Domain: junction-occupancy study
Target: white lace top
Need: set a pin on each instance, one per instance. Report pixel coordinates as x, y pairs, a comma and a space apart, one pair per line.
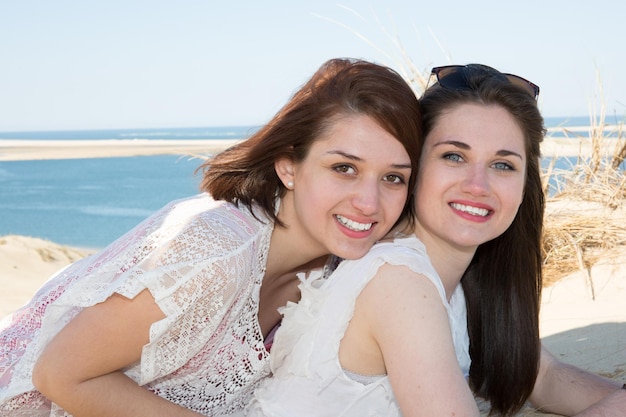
308, 378
203, 261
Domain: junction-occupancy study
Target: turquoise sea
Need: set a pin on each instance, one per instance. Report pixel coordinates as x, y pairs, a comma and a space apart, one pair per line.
91, 202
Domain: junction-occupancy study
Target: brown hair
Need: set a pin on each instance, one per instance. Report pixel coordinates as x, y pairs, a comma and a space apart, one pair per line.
244, 173
503, 282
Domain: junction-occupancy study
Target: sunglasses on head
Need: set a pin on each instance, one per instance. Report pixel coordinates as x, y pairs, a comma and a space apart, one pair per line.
453, 77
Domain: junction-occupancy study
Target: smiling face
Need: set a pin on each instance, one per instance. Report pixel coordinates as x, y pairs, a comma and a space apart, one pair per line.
471, 178
348, 192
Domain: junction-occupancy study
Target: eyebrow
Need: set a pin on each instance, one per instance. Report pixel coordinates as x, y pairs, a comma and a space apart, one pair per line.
463, 145
359, 159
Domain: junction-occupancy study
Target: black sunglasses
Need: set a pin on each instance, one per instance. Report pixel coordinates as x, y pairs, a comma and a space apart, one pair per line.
453, 77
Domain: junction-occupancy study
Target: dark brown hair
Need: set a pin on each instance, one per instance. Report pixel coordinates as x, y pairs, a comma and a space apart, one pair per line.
503, 282
244, 173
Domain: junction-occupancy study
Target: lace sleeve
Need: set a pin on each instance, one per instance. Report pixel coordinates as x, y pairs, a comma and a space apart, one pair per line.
195, 279
193, 256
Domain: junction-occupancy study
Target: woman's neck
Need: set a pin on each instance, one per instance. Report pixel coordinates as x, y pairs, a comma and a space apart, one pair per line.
449, 261
280, 282
287, 254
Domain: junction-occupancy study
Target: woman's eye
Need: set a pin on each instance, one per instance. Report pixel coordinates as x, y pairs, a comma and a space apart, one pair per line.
395, 179
503, 166
455, 157
344, 169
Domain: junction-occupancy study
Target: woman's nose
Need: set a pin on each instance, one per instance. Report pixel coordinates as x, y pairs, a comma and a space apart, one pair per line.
367, 197
476, 181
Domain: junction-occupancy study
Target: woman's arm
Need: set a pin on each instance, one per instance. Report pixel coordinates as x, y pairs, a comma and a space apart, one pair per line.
80, 369
570, 391
410, 324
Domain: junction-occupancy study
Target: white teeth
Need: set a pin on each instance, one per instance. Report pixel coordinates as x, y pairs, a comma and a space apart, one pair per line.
352, 225
471, 210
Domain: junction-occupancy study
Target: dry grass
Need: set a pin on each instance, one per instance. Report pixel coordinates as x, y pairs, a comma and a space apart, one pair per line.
585, 217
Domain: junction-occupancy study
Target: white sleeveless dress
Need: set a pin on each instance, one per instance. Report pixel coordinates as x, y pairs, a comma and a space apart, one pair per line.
307, 377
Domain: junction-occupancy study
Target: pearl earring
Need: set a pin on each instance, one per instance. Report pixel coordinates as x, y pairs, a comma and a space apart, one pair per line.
290, 185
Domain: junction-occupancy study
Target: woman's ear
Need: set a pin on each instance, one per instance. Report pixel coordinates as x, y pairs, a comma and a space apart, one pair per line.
285, 170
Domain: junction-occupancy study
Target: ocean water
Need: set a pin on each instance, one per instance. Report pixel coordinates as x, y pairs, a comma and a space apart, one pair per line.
91, 202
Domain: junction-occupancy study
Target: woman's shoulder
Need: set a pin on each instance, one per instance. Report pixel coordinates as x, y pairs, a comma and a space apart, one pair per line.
215, 219
398, 243
388, 260
405, 257
203, 205
197, 230
402, 250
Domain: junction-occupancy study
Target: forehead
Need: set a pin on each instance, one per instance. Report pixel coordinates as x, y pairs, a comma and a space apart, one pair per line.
476, 122
359, 135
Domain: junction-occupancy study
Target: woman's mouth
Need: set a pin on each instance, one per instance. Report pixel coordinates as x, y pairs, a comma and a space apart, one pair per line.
352, 225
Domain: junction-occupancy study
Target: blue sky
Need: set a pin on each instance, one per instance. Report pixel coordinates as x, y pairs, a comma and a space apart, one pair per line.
87, 64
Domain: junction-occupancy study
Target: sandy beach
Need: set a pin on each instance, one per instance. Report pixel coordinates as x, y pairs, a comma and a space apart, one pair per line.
20, 150
583, 321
